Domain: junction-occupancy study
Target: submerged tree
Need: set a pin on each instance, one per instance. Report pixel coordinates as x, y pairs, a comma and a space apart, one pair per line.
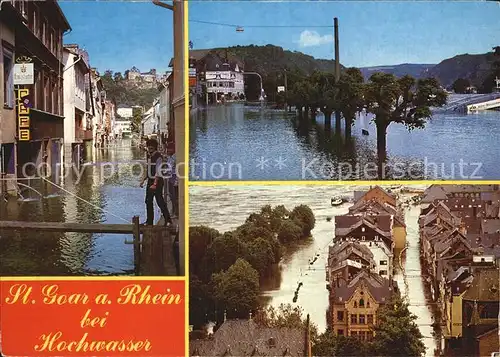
351, 100
404, 100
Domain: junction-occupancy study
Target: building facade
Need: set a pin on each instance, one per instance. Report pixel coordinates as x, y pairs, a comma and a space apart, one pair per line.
78, 116
32, 33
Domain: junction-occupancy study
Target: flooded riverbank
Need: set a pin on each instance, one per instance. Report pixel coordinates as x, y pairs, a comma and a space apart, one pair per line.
102, 195
224, 208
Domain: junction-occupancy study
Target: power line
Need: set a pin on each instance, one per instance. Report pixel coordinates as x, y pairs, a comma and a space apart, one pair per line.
259, 26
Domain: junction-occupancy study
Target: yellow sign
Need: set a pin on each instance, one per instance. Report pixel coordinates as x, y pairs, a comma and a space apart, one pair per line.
23, 114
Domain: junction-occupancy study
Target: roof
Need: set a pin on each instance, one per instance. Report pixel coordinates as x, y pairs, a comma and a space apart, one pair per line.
246, 338
346, 224
433, 193
340, 252
62, 17
380, 289
484, 287
375, 207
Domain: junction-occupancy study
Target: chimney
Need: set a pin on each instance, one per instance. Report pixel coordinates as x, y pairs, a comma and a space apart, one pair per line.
225, 315
250, 318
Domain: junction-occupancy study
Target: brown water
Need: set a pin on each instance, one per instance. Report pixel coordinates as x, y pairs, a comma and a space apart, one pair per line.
98, 197
224, 208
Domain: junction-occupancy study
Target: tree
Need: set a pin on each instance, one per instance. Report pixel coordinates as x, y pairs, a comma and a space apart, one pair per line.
261, 255
200, 302
395, 322
118, 77
460, 85
403, 101
137, 120
351, 100
200, 238
496, 50
304, 218
324, 93
328, 344
237, 289
224, 252
289, 232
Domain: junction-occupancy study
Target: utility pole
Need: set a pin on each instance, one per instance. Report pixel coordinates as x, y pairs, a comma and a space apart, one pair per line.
286, 91
337, 67
178, 103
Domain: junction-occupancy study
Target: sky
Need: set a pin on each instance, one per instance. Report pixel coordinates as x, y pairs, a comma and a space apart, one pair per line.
371, 33
120, 35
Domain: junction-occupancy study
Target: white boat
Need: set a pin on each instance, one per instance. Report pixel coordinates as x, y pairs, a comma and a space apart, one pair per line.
337, 201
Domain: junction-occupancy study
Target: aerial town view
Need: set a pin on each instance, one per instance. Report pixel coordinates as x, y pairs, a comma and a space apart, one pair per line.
78, 123
328, 90
345, 270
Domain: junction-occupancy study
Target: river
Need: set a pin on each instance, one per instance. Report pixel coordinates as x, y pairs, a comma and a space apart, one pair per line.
105, 195
226, 207
234, 142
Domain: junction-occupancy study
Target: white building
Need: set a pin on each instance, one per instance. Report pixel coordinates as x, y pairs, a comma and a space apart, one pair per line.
125, 112
78, 126
150, 120
123, 128
164, 106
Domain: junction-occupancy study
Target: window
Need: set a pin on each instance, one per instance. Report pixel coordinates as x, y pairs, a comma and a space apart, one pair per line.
361, 303
383, 272
383, 262
354, 333
376, 238
367, 304
369, 335
8, 77
369, 319
340, 332
363, 238
362, 229
355, 304
362, 335
362, 319
354, 319
340, 316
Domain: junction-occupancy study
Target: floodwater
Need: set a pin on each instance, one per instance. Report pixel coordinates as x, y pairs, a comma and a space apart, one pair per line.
108, 192
233, 142
234, 204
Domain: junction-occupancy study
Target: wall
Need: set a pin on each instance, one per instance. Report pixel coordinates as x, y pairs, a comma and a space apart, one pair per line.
489, 344
125, 112
380, 252
164, 109
456, 315
69, 105
8, 124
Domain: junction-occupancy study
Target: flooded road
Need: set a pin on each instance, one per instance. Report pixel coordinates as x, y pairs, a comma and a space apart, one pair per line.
224, 208
108, 192
236, 142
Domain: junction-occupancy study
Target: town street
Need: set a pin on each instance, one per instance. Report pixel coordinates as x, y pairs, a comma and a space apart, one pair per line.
108, 192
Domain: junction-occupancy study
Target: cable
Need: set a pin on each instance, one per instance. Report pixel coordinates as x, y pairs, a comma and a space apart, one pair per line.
84, 200
259, 26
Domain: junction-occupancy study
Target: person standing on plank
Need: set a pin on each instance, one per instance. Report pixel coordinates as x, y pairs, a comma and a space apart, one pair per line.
155, 184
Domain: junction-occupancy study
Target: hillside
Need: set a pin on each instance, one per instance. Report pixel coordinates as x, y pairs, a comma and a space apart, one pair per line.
476, 68
128, 93
269, 59
399, 70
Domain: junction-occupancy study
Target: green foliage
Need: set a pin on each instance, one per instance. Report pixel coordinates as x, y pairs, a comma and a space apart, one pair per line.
303, 216
285, 315
401, 100
200, 238
351, 96
461, 85
327, 344
289, 232
397, 323
237, 289
255, 242
120, 92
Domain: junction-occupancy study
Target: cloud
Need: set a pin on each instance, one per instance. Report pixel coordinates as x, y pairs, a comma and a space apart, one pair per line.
312, 38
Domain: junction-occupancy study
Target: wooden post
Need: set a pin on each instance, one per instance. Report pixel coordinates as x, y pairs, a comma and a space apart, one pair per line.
137, 243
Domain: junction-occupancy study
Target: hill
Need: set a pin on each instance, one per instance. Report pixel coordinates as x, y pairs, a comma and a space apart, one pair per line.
399, 70
476, 68
128, 93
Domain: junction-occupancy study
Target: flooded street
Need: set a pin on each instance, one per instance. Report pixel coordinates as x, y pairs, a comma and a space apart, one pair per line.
224, 208
108, 192
219, 133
